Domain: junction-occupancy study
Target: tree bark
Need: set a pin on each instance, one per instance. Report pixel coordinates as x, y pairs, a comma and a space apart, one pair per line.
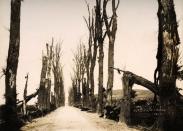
12, 62
167, 57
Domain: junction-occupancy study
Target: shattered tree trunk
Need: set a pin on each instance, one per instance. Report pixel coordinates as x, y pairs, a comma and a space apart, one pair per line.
128, 80
12, 63
48, 80
42, 90
167, 57
25, 95
125, 113
45, 82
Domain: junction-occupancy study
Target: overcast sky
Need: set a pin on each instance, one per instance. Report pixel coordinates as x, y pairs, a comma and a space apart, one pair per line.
135, 47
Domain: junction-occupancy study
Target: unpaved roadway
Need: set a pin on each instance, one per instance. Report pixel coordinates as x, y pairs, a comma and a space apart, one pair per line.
72, 119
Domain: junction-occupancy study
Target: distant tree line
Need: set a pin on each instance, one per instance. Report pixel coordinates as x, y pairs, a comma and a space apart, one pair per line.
99, 25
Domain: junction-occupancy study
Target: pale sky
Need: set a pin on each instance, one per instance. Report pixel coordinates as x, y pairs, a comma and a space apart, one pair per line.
135, 47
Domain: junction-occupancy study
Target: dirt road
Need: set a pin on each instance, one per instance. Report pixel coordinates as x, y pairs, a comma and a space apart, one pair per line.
72, 119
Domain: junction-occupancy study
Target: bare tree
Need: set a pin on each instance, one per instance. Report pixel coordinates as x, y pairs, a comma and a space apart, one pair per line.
100, 36
12, 63
92, 50
95, 42
111, 27
79, 70
58, 76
